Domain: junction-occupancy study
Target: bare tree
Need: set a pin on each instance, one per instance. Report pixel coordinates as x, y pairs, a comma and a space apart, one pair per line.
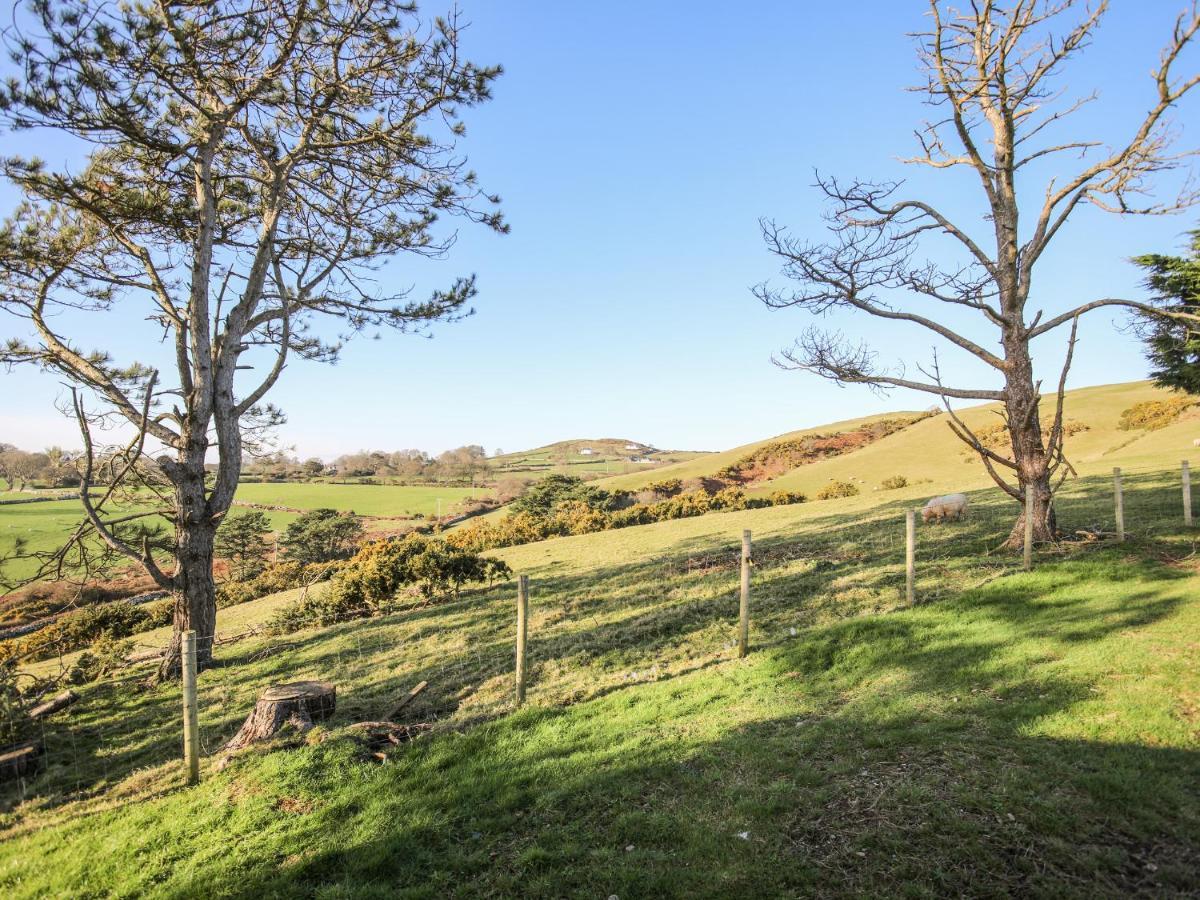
991, 72
249, 164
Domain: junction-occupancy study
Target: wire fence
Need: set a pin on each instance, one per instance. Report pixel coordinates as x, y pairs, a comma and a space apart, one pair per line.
650, 611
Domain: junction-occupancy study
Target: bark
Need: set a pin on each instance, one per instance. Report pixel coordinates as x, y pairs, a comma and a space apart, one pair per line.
193, 586
50, 707
297, 705
1028, 445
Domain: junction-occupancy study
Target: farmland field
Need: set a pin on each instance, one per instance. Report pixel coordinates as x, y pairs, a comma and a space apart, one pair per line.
45, 525
363, 499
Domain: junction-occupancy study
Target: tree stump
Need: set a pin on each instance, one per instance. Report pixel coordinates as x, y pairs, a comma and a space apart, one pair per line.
297, 705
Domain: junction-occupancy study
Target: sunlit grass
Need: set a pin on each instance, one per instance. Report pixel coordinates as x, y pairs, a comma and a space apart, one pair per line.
1040, 728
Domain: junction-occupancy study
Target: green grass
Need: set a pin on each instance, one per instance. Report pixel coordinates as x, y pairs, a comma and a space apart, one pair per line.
44, 526
1013, 734
363, 499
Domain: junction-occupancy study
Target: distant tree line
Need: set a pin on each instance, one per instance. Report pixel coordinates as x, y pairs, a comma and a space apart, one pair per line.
52, 467
460, 464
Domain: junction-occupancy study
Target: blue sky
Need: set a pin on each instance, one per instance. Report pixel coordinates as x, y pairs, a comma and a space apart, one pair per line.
635, 146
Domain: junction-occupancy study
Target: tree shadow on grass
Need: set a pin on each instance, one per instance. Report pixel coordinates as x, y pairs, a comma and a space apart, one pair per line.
902, 755
617, 624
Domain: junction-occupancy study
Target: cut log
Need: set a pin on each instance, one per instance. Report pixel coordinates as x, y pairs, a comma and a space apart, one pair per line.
408, 699
140, 656
20, 760
53, 705
297, 705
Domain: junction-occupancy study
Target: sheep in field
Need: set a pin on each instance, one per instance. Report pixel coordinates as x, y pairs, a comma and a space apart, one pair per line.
949, 506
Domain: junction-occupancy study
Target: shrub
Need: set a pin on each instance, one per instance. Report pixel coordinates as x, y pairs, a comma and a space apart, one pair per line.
785, 498
666, 488
371, 580
242, 539
320, 536
159, 613
728, 498
105, 656
836, 489
1152, 415
78, 629
509, 489
543, 497
776, 457
895, 482
577, 517
281, 576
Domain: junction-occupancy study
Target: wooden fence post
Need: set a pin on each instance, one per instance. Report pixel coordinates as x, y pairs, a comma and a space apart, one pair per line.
1030, 489
191, 728
910, 555
1187, 494
1119, 498
522, 631
744, 609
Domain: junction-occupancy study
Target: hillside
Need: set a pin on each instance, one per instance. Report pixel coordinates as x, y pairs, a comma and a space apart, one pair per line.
587, 456
929, 455
1037, 727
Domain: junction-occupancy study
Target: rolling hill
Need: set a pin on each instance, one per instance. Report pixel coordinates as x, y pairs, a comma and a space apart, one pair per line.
588, 456
930, 457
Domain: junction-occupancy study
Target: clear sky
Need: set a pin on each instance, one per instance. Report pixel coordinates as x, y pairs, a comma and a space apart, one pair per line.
636, 145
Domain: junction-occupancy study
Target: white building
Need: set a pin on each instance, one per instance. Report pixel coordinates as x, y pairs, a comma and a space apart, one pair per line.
587, 451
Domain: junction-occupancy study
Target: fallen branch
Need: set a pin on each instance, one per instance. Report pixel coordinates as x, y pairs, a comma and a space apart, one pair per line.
50, 707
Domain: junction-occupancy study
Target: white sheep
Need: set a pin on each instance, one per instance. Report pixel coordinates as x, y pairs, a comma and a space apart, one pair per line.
949, 506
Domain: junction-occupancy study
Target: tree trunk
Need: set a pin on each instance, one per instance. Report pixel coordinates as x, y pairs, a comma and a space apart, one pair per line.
1029, 450
1045, 521
194, 588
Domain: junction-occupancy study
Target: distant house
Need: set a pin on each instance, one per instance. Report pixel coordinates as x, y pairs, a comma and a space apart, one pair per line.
587, 451
640, 459
633, 446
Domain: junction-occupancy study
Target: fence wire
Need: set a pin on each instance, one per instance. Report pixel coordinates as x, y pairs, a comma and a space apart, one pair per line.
591, 630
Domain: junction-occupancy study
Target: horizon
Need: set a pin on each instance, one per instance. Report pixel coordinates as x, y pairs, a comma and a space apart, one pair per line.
634, 190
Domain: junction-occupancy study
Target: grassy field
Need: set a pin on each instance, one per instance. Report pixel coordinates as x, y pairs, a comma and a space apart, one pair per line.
44, 526
363, 499
1013, 733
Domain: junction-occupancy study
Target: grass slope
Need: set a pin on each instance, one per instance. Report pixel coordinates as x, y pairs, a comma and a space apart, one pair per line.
711, 462
928, 453
1014, 734
609, 455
